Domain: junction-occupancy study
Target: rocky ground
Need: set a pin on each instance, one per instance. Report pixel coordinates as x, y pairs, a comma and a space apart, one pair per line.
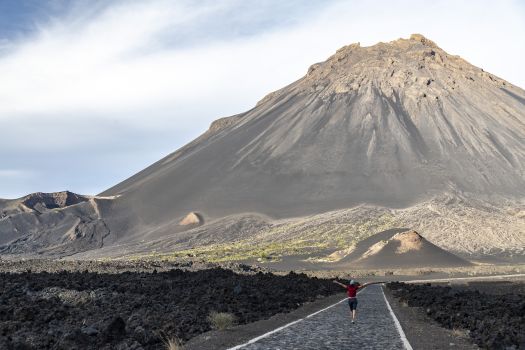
137, 309
118, 266
492, 314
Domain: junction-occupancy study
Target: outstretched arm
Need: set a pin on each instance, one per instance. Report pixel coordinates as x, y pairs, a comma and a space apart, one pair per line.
339, 283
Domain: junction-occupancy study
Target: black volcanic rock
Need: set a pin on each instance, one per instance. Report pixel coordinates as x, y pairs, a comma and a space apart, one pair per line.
81, 310
493, 321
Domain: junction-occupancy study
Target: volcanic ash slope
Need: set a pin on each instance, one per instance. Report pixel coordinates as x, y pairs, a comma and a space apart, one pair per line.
392, 124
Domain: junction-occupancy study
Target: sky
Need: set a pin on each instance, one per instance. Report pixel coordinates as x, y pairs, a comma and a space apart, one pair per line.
93, 91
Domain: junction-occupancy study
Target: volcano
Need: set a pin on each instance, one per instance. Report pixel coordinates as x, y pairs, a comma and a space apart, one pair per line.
392, 125
387, 124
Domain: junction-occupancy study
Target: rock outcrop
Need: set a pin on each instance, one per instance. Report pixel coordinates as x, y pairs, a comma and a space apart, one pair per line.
409, 240
41, 201
192, 218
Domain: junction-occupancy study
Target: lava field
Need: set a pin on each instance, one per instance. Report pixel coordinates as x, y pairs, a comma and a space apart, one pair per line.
138, 310
494, 317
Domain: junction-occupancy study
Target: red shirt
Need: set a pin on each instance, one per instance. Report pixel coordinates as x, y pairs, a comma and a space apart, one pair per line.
351, 290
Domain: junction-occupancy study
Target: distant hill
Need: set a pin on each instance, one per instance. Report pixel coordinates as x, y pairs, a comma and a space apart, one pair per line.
400, 250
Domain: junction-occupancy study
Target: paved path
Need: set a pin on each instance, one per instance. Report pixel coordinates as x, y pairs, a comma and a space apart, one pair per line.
331, 329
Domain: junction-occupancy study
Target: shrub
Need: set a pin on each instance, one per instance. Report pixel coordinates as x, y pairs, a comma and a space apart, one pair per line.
222, 320
459, 332
173, 343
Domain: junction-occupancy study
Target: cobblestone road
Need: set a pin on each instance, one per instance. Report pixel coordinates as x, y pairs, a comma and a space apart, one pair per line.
331, 329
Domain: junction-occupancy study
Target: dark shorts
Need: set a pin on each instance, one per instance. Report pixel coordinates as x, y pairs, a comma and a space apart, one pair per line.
352, 302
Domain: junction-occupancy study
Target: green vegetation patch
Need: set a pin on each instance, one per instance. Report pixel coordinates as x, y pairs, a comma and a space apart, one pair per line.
287, 239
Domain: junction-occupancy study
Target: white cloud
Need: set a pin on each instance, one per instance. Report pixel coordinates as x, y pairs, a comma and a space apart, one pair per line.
83, 80
11, 172
4, 44
116, 63
93, 65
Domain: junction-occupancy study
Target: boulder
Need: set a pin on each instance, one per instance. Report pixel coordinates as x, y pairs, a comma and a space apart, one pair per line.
192, 218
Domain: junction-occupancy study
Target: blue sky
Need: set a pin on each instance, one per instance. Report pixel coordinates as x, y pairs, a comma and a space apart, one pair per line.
94, 91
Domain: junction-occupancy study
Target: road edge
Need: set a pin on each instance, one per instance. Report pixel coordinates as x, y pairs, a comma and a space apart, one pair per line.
231, 338
399, 328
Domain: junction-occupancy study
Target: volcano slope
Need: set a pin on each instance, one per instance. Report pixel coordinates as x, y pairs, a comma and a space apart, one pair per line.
391, 129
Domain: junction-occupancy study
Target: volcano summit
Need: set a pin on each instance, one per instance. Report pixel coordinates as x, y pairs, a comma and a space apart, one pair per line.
402, 130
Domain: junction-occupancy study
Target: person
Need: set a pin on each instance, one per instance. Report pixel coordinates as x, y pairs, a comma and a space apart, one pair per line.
351, 290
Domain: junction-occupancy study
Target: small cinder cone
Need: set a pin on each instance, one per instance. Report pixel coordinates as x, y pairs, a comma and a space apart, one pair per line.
192, 218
